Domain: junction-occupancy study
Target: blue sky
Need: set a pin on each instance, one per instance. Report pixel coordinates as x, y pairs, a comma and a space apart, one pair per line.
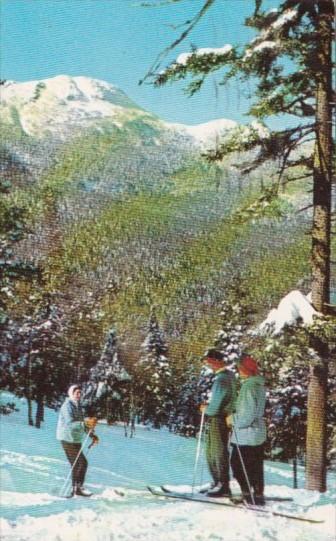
117, 41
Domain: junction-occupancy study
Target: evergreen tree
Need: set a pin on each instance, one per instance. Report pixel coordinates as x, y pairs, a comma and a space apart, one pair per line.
156, 376
185, 416
107, 391
231, 337
285, 359
37, 363
204, 385
235, 319
13, 228
13, 270
229, 341
287, 413
83, 330
290, 59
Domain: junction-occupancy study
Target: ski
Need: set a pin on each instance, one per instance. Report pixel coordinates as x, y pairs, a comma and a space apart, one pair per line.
94, 496
227, 503
238, 499
74, 496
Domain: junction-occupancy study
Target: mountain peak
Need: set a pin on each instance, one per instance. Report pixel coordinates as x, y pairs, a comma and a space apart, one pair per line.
50, 105
65, 87
59, 105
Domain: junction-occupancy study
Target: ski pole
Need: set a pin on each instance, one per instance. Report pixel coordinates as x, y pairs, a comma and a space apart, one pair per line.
198, 450
243, 465
75, 462
206, 428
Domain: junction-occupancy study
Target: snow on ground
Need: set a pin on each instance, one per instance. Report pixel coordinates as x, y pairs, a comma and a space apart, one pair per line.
34, 469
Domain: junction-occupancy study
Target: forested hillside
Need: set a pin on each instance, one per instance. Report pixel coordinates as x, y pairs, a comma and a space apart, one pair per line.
123, 217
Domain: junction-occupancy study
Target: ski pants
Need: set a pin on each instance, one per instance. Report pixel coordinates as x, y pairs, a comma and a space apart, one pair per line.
253, 458
217, 452
78, 473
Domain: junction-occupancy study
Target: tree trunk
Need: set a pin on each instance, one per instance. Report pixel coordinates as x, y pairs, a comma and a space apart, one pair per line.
316, 466
30, 412
29, 394
39, 413
317, 390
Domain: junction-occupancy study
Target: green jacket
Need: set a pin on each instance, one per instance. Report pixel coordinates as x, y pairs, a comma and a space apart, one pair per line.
223, 394
248, 420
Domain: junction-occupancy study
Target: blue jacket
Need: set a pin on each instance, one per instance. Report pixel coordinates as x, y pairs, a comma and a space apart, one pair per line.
70, 426
223, 394
248, 421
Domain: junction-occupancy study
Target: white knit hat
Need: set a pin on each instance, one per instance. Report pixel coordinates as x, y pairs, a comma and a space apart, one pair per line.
72, 389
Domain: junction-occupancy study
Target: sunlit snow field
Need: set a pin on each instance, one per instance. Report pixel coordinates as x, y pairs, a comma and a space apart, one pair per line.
33, 470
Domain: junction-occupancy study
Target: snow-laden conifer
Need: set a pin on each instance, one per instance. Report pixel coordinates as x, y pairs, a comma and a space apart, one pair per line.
185, 415
106, 392
155, 376
38, 368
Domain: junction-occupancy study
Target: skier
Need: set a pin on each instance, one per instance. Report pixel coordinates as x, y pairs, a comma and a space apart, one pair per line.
71, 428
221, 404
249, 432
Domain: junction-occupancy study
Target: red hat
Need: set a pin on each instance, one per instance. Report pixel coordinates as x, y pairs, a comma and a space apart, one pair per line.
248, 366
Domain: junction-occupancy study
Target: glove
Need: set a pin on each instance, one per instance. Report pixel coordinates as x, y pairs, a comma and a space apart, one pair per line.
90, 422
229, 421
203, 407
95, 439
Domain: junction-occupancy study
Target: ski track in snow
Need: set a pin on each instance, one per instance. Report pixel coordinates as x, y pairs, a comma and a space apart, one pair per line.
34, 469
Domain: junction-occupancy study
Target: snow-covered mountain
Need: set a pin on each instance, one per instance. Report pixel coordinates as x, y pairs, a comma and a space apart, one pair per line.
126, 147
209, 133
60, 104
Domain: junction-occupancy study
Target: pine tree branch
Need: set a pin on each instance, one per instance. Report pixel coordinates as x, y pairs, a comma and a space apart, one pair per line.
152, 72
294, 179
304, 208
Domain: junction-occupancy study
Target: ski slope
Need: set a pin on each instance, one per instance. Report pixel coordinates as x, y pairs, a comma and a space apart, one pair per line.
33, 470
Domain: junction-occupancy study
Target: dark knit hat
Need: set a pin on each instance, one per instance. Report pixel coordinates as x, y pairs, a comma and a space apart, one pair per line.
248, 366
213, 353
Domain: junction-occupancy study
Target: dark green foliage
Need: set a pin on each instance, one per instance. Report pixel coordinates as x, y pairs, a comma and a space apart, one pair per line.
12, 230
107, 392
33, 358
234, 319
155, 388
185, 416
285, 360
38, 90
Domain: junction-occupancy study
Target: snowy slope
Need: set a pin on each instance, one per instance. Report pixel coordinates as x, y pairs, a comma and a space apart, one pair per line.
208, 133
57, 105
34, 469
